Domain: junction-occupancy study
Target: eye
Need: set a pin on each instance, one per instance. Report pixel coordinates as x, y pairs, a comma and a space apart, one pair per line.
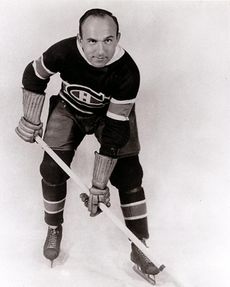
108, 41
92, 41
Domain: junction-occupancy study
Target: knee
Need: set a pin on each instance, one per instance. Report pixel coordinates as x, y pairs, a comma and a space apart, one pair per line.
51, 171
127, 174
131, 195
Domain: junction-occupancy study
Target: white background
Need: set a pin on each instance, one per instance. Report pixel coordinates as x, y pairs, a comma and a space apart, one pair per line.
182, 50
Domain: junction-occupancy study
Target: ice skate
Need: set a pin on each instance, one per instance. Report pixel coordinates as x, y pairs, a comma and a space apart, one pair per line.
51, 247
143, 266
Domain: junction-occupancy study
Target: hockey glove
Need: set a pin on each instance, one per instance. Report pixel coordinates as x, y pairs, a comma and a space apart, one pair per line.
30, 124
99, 192
28, 131
97, 196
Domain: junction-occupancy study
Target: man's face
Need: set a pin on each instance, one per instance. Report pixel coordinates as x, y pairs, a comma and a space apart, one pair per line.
99, 40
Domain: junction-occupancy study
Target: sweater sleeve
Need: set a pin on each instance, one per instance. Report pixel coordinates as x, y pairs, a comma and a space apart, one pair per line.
37, 73
117, 129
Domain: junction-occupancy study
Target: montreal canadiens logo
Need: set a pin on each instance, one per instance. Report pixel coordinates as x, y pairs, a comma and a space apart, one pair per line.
85, 96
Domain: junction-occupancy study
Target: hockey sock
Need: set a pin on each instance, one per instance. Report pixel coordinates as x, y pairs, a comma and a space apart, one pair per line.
54, 196
133, 206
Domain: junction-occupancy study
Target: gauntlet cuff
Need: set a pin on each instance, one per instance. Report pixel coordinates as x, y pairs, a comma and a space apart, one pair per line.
32, 106
103, 168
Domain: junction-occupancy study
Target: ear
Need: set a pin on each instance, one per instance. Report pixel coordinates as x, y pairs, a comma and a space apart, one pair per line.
118, 37
79, 38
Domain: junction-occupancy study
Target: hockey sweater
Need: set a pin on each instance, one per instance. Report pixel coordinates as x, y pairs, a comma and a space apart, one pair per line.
110, 90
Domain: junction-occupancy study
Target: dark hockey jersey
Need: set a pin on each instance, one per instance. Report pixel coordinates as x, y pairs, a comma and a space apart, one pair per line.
110, 90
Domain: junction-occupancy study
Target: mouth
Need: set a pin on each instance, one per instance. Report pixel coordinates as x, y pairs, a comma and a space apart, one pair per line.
100, 59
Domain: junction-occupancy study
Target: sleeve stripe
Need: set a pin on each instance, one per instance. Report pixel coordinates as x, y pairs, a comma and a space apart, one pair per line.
40, 70
43, 65
120, 111
116, 117
114, 101
35, 71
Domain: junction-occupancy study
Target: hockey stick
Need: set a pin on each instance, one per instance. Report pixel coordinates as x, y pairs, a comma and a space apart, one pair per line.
105, 209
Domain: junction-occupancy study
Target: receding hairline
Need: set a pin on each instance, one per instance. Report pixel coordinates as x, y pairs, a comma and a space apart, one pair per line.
97, 13
91, 17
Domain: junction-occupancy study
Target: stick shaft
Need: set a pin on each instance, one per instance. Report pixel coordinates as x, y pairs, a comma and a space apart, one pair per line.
84, 188
105, 209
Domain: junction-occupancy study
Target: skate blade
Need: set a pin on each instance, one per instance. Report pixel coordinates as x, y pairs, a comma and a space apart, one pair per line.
148, 277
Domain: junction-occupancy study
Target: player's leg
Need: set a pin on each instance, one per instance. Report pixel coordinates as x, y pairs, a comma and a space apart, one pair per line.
127, 178
63, 137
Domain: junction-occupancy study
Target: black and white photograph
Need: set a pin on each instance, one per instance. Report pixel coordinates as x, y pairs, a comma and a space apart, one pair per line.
114, 148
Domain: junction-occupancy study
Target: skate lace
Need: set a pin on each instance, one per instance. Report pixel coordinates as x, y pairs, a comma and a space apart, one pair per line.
52, 238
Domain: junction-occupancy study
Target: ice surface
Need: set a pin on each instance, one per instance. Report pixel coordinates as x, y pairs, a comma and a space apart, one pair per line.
182, 49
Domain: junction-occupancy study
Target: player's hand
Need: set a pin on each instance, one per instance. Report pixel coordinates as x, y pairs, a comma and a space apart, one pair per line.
96, 196
28, 131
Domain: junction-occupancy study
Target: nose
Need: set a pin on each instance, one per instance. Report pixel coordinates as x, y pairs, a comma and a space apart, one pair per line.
100, 49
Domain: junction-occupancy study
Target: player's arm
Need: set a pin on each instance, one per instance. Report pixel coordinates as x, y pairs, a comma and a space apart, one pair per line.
114, 136
35, 79
116, 131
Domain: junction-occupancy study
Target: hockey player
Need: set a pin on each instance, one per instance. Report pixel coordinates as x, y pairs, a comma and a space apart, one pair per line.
100, 82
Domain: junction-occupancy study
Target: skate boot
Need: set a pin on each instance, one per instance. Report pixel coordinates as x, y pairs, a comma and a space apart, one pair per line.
51, 247
143, 266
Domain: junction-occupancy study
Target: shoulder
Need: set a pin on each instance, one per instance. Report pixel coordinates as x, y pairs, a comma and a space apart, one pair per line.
126, 78
60, 53
130, 64
127, 66
126, 69
63, 45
